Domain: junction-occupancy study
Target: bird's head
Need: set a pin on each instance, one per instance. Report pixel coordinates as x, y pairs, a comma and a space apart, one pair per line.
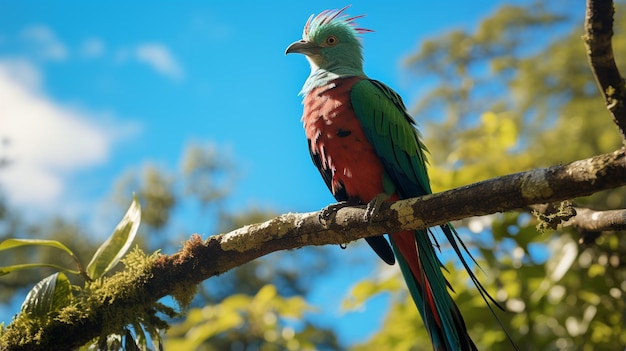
331, 42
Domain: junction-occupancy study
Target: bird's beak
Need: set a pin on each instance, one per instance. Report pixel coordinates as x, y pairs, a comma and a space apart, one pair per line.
303, 47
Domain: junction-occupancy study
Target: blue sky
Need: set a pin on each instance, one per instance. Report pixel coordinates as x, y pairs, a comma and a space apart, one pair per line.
90, 90
112, 85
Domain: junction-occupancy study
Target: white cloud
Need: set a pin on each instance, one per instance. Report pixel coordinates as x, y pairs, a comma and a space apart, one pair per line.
92, 47
44, 42
158, 56
21, 71
46, 141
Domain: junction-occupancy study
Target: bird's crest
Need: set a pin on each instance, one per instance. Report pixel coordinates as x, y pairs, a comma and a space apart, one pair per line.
332, 17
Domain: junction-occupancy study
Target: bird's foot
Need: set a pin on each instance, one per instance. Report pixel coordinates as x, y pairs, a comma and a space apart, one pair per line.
373, 207
329, 212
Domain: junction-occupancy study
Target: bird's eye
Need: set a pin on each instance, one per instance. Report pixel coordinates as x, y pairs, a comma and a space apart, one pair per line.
331, 40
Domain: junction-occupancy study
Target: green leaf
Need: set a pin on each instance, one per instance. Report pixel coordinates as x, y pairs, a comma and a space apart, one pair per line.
13, 243
116, 246
50, 294
366, 289
8, 269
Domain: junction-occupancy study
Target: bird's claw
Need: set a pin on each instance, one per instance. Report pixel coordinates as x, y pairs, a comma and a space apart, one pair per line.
373, 207
328, 212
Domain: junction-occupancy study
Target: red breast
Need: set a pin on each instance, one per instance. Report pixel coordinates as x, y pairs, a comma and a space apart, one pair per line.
335, 134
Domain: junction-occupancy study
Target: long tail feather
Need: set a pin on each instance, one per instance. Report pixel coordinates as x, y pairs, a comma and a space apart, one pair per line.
455, 240
422, 271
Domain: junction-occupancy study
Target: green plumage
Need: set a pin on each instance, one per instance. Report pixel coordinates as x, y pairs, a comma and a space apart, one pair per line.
392, 161
390, 129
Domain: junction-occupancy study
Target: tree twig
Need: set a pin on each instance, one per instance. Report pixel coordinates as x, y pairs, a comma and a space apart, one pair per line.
598, 221
598, 36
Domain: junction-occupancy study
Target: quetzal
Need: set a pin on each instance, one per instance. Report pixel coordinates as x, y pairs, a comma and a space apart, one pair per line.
364, 143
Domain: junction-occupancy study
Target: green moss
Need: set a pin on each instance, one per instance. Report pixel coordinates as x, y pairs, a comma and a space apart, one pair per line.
138, 308
126, 285
553, 218
183, 295
22, 330
70, 314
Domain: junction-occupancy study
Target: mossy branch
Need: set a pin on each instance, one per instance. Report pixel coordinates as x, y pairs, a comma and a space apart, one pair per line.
178, 274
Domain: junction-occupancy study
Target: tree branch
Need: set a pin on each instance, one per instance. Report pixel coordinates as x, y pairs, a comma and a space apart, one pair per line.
598, 221
598, 36
199, 260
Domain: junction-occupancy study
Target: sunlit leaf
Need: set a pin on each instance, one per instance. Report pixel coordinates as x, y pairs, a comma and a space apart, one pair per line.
202, 324
13, 243
50, 294
266, 294
366, 289
8, 269
293, 307
596, 270
116, 246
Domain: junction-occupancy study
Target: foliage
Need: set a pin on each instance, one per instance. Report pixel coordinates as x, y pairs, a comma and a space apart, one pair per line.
116, 246
265, 321
55, 230
201, 183
519, 86
14, 243
55, 299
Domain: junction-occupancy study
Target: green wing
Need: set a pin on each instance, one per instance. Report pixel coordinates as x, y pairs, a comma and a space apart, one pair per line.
392, 132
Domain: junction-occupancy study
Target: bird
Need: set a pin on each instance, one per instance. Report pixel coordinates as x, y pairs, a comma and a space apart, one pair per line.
368, 149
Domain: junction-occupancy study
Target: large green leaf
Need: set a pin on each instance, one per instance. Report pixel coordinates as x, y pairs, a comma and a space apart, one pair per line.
8, 269
13, 243
50, 294
116, 246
